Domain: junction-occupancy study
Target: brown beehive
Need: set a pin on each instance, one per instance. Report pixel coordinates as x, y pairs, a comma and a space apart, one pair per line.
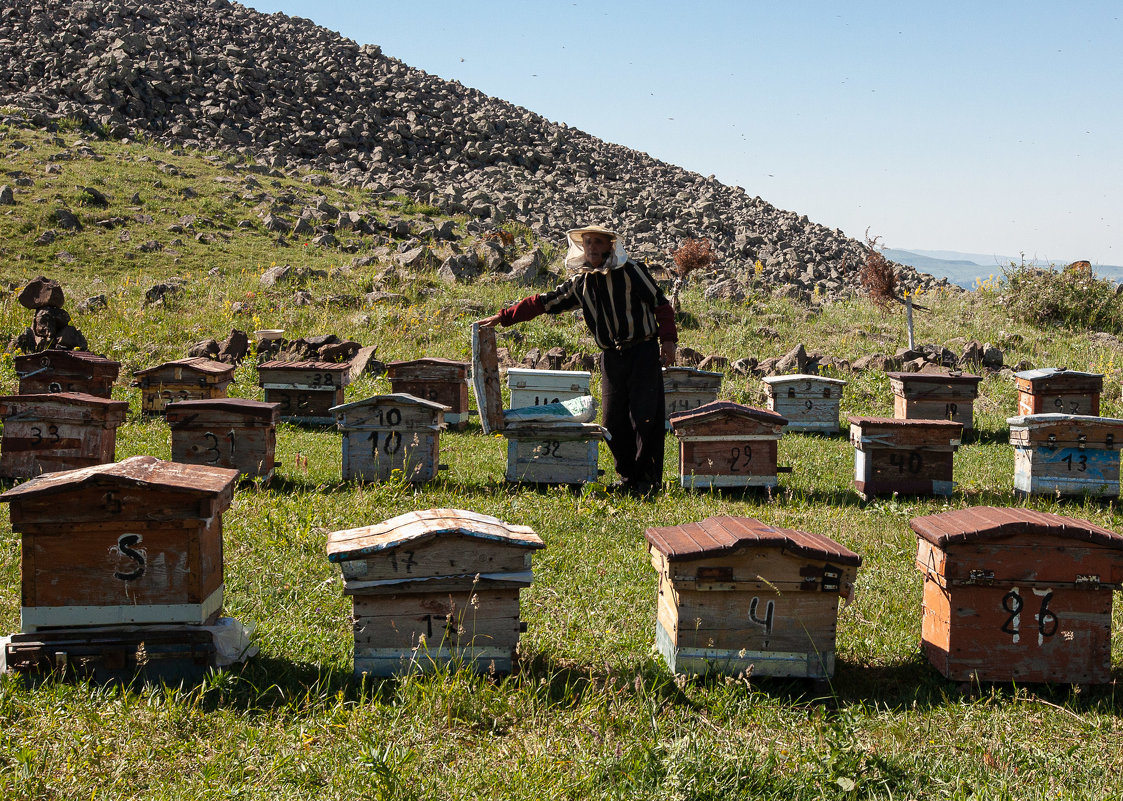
194, 378
1065, 454
687, 388
304, 391
441, 381
234, 433
908, 457
935, 396
736, 595
1057, 390
809, 402
139, 541
433, 587
726, 444
388, 433
1018, 595
59, 431
66, 371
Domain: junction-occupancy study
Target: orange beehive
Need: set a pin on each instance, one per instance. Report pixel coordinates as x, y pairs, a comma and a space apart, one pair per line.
1057, 390
1018, 595
935, 396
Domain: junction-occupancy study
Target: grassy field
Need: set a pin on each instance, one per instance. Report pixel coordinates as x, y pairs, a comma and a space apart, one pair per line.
591, 711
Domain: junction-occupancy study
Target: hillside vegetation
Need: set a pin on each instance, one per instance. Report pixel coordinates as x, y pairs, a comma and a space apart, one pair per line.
591, 711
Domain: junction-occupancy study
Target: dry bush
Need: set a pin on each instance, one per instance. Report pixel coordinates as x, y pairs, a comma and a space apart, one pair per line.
695, 254
877, 276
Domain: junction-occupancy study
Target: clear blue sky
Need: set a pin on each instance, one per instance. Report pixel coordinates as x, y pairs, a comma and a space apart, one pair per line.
984, 127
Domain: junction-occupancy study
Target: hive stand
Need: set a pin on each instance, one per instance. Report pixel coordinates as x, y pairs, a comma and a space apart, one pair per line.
195, 378
727, 445
435, 587
66, 371
736, 595
60, 431
1017, 595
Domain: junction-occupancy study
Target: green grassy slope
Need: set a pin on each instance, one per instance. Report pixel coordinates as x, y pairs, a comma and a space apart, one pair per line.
591, 713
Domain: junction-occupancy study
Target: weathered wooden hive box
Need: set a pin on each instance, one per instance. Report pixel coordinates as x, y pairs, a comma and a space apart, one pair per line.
909, 457
809, 402
304, 391
726, 444
66, 371
553, 453
539, 387
195, 378
687, 388
385, 433
139, 541
1066, 454
736, 596
935, 396
1056, 390
441, 381
235, 433
433, 587
57, 431
1018, 595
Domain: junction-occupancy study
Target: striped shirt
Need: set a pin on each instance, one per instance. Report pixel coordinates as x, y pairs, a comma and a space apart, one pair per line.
618, 305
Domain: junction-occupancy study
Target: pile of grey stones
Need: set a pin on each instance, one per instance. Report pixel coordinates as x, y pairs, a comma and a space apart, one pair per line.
282, 94
50, 329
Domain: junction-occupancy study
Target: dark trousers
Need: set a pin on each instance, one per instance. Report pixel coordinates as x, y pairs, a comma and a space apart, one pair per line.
632, 396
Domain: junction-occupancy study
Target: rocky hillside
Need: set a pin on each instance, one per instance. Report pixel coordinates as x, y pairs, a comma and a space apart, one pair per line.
214, 74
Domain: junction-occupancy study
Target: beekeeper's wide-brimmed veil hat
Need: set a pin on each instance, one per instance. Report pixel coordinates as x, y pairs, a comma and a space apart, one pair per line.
575, 258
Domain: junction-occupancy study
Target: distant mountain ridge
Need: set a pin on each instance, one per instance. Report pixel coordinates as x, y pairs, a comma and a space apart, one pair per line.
963, 269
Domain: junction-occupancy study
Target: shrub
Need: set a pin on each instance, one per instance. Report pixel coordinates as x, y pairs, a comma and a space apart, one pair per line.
1072, 298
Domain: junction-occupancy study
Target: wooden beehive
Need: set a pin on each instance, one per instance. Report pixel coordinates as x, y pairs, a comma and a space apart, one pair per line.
553, 453
59, 431
935, 396
305, 392
235, 433
1018, 595
539, 387
433, 587
809, 402
737, 596
66, 371
1057, 390
385, 433
726, 444
1066, 454
438, 380
908, 457
139, 541
687, 388
195, 378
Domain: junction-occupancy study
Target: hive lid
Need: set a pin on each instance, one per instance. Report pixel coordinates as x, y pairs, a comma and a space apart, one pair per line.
718, 535
716, 408
147, 471
795, 377
1054, 419
244, 406
937, 378
413, 528
48, 358
527, 372
981, 523
66, 399
910, 423
691, 371
1053, 372
393, 398
316, 366
425, 361
199, 364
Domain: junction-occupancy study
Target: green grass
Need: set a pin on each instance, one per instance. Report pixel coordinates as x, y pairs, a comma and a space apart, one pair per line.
591, 711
